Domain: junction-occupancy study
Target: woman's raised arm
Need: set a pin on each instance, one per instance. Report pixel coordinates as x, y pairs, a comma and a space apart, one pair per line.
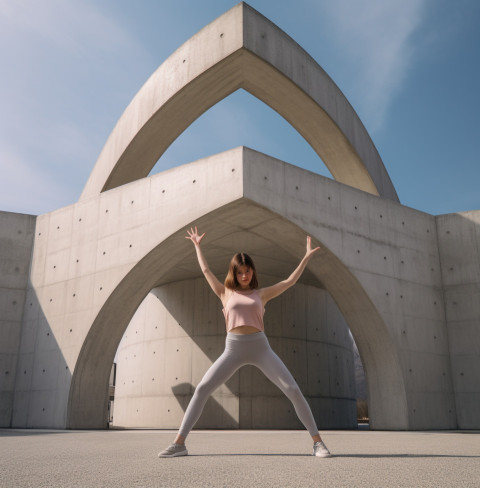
273, 291
217, 287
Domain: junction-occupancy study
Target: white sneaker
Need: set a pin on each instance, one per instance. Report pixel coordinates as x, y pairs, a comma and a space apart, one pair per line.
320, 450
174, 450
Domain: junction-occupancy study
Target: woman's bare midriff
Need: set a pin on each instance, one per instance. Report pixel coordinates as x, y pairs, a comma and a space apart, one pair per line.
244, 329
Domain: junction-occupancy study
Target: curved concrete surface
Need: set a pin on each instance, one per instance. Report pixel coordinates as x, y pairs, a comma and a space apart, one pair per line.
182, 323
166, 262
241, 49
95, 261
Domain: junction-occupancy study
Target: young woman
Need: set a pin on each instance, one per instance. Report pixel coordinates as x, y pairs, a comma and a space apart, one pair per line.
246, 343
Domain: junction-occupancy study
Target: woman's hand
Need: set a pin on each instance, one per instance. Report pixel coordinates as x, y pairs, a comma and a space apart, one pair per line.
193, 236
309, 251
273, 291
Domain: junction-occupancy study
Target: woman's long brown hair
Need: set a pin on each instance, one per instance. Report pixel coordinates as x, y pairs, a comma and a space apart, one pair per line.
240, 259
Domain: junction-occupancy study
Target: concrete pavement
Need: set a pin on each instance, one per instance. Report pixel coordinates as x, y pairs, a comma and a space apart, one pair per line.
117, 458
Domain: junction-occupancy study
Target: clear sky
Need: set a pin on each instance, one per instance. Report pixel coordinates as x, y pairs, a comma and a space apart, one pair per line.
410, 68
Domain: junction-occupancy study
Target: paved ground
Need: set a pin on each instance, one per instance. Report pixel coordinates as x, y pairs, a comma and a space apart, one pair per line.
36, 458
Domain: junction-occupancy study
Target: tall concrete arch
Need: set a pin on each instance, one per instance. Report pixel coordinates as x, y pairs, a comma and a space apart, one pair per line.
94, 261
89, 393
240, 49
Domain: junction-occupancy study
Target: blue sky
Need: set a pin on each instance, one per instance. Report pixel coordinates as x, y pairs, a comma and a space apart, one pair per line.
410, 68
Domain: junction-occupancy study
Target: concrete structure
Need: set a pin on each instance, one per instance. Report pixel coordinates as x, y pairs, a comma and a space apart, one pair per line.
405, 282
16, 243
182, 322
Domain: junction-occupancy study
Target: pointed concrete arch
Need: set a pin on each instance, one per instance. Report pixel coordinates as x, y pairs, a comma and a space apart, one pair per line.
240, 49
87, 405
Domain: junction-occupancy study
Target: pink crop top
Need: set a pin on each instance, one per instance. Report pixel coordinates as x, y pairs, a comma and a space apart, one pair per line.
244, 309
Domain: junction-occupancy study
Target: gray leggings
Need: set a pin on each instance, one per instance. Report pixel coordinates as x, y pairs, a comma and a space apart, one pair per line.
241, 350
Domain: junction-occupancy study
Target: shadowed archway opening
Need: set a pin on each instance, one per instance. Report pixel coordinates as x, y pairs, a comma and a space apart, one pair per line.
173, 260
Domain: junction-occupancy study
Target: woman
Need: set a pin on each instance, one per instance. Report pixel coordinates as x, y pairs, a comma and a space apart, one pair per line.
246, 343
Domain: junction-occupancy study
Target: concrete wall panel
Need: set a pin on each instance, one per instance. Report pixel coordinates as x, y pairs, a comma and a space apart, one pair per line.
188, 312
459, 245
57, 312
16, 242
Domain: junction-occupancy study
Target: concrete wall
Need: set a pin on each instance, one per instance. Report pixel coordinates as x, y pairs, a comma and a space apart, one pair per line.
94, 262
459, 244
16, 243
179, 331
393, 252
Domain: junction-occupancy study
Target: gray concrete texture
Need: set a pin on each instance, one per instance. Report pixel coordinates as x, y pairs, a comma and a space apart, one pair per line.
277, 459
95, 261
405, 282
240, 49
16, 242
182, 323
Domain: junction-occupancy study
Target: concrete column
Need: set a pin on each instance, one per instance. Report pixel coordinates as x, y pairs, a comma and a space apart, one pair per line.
16, 242
179, 331
459, 245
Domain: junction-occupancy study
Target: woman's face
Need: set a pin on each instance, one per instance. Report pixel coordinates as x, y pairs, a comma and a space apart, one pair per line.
244, 276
